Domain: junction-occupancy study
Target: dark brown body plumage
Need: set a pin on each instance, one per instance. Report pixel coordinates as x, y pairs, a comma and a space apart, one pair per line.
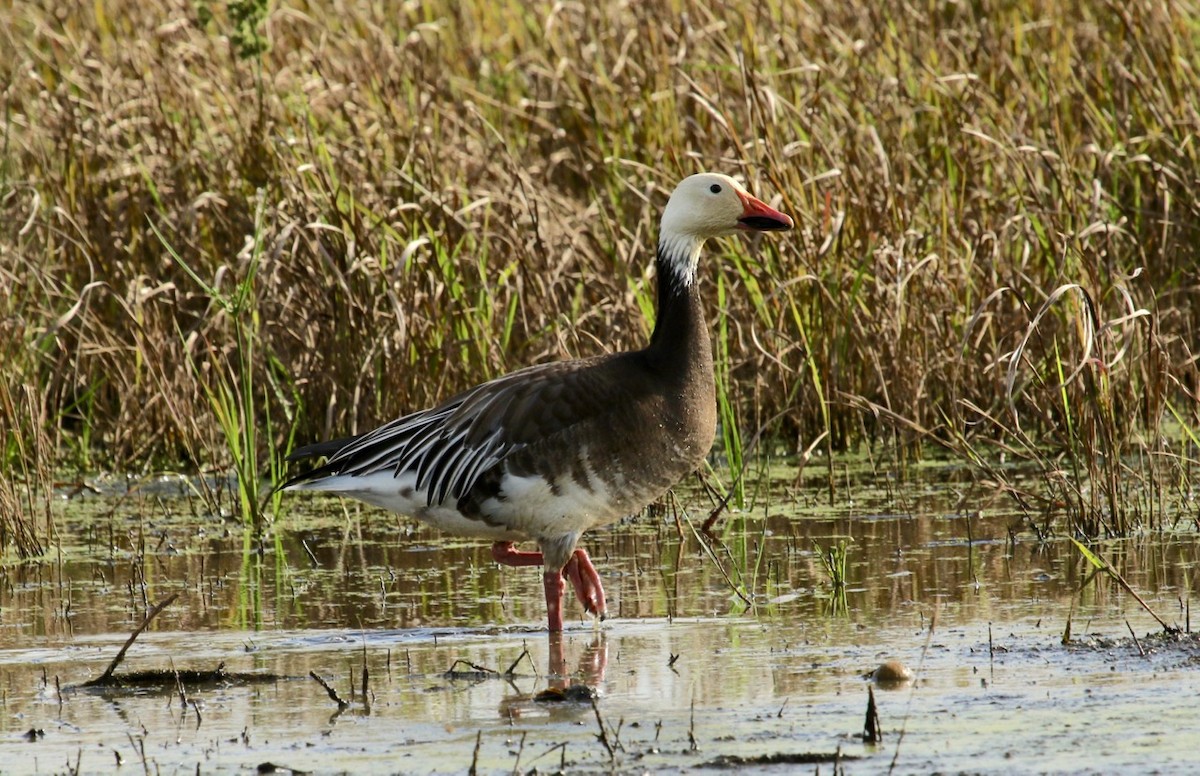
549, 452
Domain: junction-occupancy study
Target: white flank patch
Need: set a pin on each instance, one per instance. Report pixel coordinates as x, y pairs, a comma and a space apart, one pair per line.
398, 494
528, 508
531, 507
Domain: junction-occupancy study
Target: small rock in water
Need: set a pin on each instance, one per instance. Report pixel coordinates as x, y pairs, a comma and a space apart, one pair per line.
893, 673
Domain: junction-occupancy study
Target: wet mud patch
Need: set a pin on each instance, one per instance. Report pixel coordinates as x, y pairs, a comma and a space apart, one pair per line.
1158, 650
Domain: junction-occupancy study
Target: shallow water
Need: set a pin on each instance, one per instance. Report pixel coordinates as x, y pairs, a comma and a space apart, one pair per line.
686, 673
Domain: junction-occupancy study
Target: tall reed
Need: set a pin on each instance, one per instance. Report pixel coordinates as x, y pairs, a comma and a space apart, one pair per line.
458, 189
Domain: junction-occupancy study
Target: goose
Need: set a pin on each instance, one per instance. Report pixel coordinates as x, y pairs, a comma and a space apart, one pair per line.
550, 451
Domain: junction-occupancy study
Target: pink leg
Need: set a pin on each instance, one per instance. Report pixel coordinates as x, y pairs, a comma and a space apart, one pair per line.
579, 570
506, 555
553, 581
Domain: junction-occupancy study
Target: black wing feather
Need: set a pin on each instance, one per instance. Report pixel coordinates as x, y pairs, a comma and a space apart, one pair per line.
451, 446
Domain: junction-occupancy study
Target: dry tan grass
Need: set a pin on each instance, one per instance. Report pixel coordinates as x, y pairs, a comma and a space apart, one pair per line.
453, 190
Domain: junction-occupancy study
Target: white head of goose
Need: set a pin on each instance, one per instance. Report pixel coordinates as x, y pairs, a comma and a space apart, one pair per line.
548, 452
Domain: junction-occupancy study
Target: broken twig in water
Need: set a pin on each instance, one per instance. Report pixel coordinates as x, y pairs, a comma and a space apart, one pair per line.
871, 728
520, 751
562, 748
107, 676
475, 757
366, 691
476, 672
1136, 643
603, 734
333, 696
692, 745
512, 669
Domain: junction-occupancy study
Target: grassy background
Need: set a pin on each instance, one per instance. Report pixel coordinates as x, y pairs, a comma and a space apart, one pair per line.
373, 205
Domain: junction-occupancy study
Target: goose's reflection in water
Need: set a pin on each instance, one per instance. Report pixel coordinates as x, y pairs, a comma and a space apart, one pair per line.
572, 691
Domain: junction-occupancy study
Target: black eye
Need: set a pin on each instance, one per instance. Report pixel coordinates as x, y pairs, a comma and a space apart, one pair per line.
715, 188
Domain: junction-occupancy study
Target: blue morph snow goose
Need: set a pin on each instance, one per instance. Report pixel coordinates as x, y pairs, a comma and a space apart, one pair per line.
548, 452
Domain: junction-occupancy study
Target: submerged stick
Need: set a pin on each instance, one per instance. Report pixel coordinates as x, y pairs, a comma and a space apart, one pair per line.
602, 736
475, 757
183, 699
872, 734
106, 677
692, 745
333, 696
991, 655
562, 748
1136, 643
512, 669
520, 751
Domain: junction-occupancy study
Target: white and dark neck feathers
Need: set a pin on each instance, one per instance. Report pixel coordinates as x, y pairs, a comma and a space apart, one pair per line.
680, 342
678, 258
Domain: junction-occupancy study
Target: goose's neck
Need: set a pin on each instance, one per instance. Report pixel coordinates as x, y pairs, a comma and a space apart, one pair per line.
680, 337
